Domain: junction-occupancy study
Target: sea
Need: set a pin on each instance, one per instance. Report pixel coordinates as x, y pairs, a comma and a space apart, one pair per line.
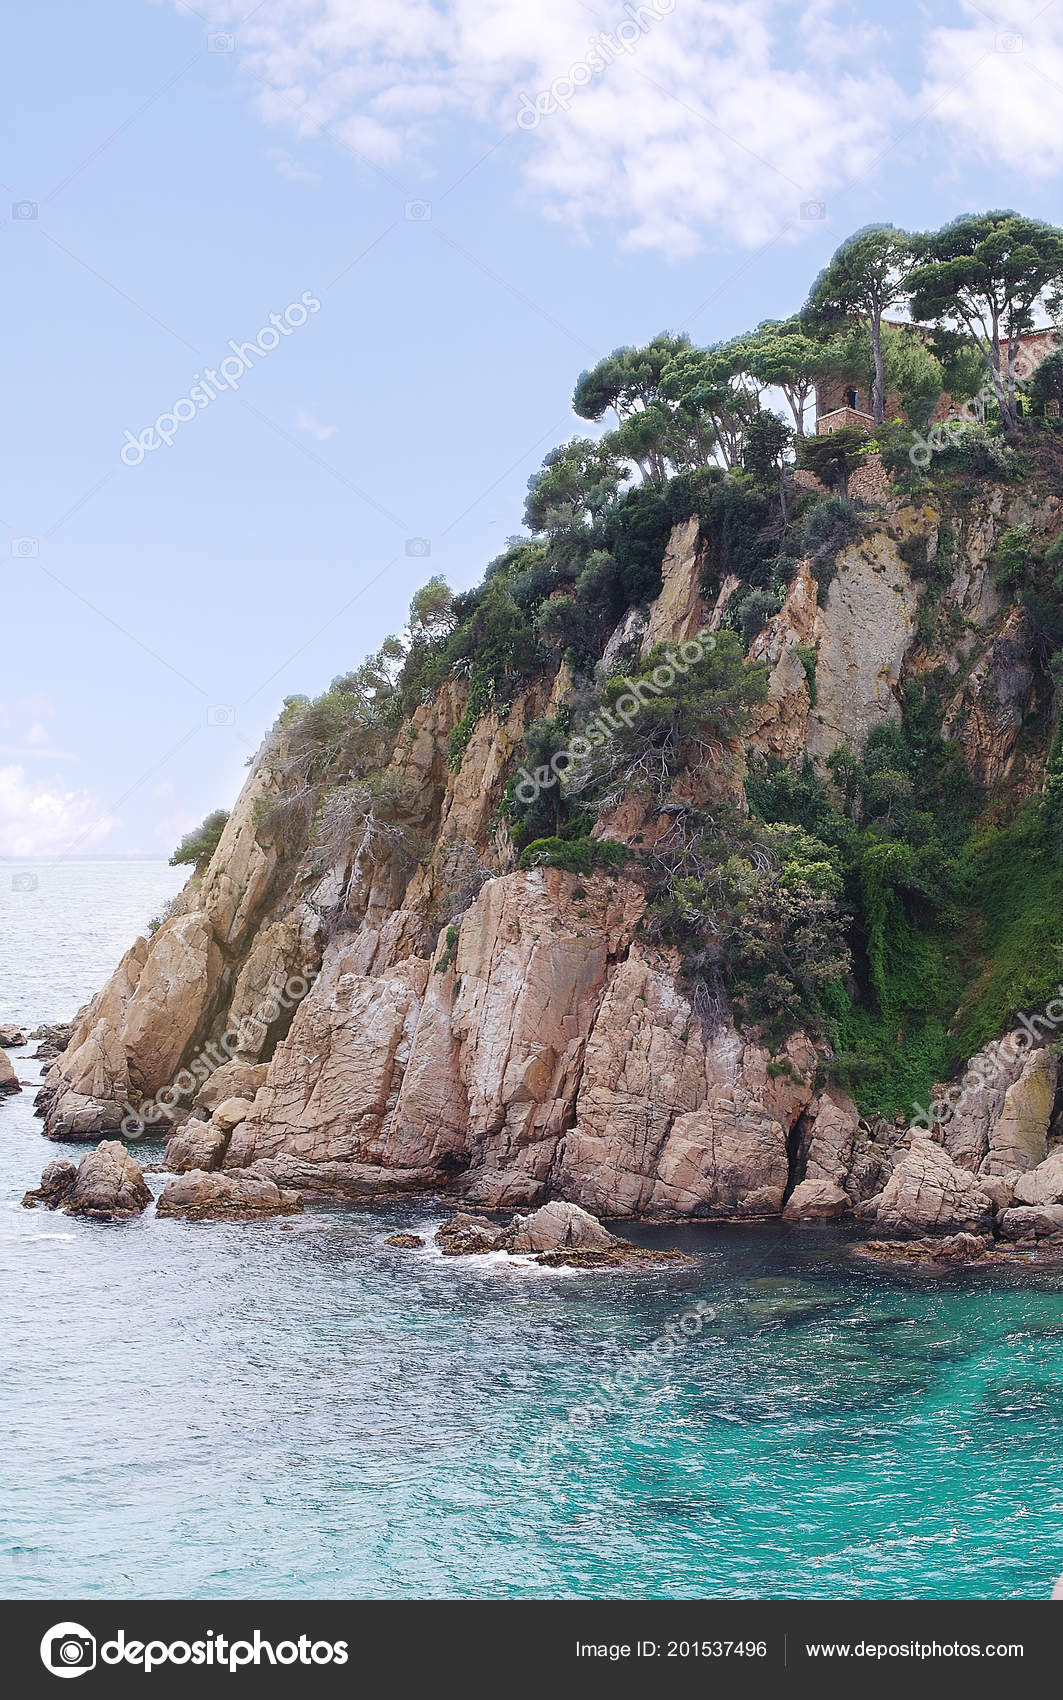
295, 1409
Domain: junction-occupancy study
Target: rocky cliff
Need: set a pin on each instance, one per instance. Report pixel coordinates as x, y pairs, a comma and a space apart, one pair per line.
402, 1000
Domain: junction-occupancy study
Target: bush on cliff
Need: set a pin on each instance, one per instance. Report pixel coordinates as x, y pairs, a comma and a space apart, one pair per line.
197, 847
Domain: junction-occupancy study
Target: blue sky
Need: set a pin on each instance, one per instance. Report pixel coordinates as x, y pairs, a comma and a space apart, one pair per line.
185, 173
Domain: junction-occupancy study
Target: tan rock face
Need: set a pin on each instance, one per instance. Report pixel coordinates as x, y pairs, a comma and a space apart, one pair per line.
644, 1065
129, 1043
728, 1159
1019, 1137
979, 1103
861, 637
815, 1201
1043, 1185
680, 610
333, 1083
929, 1193
832, 1140
987, 713
502, 1035
233, 1080
196, 1145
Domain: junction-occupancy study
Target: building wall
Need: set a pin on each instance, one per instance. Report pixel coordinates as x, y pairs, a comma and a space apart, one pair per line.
830, 397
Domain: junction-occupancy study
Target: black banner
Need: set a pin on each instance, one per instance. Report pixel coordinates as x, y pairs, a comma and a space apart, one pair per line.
525, 1647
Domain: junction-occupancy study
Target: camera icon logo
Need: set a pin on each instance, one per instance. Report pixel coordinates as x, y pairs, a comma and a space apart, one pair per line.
24, 547
221, 43
68, 1649
418, 210
419, 546
24, 882
221, 714
813, 209
1009, 42
23, 209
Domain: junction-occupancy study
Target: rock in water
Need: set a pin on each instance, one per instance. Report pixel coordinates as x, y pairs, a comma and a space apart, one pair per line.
405, 1242
196, 1145
556, 1234
53, 1040
558, 1227
1033, 1222
200, 1197
57, 1183
12, 1037
815, 1201
928, 1193
953, 1249
8, 1077
107, 1184
465, 1235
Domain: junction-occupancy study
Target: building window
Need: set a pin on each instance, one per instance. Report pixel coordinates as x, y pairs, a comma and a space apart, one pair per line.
852, 399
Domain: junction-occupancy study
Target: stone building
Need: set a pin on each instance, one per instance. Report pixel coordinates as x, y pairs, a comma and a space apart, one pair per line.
839, 404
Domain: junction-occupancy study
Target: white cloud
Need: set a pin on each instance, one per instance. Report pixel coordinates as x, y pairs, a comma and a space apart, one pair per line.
997, 85
290, 169
306, 422
24, 718
724, 116
40, 818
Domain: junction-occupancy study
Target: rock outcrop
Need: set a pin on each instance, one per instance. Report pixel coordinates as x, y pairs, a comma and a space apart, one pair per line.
1034, 1222
12, 1037
107, 1184
557, 1234
928, 1193
1019, 1137
199, 1196
407, 1009
8, 1078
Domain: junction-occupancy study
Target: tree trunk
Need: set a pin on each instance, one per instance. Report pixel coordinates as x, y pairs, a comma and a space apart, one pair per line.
878, 398
1007, 411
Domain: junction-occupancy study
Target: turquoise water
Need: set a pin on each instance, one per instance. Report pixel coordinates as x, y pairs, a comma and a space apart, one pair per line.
204, 1411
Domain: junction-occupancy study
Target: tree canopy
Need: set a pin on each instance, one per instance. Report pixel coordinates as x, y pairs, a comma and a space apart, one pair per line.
988, 273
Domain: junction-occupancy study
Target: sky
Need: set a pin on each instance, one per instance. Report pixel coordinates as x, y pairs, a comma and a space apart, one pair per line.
450, 210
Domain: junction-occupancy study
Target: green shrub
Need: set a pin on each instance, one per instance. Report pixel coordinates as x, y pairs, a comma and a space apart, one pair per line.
197, 847
575, 856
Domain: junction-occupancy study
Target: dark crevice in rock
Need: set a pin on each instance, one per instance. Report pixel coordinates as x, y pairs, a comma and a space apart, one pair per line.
798, 1140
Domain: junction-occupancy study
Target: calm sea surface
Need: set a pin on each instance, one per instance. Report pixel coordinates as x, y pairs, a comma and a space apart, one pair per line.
200, 1411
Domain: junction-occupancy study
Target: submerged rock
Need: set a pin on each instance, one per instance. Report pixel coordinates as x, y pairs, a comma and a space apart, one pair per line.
8, 1077
199, 1196
108, 1183
405, 1242
954, 1248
